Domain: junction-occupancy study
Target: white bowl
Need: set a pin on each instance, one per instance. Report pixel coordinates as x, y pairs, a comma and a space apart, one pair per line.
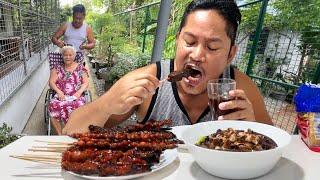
235, 165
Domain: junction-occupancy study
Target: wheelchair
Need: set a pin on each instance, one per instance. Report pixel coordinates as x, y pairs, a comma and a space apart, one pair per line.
55, 58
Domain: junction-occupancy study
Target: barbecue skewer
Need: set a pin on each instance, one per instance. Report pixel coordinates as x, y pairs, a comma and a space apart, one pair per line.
37, 159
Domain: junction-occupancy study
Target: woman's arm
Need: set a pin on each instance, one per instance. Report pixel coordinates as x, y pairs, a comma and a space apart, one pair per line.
58, 34
84, 85
52, 83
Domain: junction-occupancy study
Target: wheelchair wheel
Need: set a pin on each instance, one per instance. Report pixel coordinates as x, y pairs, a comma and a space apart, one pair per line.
49, 128
46, 104
49, 96
88, 96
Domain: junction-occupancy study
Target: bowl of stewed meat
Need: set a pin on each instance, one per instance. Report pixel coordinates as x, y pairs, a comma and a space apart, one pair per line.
236, 149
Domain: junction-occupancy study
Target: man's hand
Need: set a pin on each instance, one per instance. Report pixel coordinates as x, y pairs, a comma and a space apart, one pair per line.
130, 91
83, 46
60, 44
241, 104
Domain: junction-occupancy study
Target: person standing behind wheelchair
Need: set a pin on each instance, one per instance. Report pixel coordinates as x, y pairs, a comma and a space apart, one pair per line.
69, 81
76, 33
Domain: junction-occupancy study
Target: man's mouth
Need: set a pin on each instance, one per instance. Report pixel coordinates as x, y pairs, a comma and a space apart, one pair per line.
195, 74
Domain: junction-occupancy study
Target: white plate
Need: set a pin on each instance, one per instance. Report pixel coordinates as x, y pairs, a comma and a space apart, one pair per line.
178, 130
166, 158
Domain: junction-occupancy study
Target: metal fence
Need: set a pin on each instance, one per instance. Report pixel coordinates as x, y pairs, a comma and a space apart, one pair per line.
25, 30
141, 23
278, 58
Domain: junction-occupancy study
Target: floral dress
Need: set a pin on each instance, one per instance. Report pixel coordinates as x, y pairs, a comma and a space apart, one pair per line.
69, 83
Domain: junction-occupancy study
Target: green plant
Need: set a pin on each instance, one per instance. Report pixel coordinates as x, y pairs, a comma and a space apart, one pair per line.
5, 135
126, 63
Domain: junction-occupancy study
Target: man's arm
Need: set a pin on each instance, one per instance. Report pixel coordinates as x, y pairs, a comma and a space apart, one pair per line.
91, 41
58, 34
93, 113
140, 110
121, 99
253, 94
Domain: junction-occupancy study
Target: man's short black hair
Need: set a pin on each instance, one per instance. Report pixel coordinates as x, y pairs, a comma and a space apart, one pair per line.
228, 9
79, 8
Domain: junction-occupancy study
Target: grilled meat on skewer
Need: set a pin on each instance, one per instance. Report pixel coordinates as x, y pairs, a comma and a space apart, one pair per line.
178, 75
119, 151
151, 125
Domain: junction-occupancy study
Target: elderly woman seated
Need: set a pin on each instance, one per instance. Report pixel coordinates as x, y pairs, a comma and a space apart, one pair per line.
69, 81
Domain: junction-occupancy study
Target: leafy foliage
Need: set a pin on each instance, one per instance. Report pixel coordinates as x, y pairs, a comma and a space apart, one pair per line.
126, 63
177, 10
5, 136
65, 14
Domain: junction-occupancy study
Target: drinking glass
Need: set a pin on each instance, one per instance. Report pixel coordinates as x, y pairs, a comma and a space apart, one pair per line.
218, 92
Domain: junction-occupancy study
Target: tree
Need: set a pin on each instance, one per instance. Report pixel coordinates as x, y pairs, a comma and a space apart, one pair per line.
65, 13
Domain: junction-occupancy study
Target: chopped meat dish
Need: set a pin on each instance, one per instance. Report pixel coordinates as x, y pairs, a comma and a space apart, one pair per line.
237, 140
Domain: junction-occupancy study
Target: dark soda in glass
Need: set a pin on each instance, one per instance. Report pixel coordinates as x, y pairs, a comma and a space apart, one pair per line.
214, 106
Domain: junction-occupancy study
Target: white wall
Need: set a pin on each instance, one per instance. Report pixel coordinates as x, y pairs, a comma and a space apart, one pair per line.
16, 111
287, 49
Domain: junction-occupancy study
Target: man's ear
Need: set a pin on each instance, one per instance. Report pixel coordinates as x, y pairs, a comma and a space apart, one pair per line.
232, 53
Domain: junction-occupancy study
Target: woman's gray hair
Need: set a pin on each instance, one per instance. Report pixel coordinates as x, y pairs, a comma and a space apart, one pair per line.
64, 48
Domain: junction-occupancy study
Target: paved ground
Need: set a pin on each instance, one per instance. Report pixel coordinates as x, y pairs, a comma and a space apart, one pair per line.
36, 124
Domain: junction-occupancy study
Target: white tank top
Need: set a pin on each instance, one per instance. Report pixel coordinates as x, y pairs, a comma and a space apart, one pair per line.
74, 36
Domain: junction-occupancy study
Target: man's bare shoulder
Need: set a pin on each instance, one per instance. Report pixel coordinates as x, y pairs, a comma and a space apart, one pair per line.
64, 26
243, 81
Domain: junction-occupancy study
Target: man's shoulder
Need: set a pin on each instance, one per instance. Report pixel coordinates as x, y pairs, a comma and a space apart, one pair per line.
240, 76
245, 83
64, 26
243, 80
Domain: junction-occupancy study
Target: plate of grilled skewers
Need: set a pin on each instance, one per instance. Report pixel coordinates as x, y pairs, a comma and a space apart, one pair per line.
117, 153
121, 153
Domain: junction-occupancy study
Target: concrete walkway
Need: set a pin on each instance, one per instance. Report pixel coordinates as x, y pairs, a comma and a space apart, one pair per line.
36, 124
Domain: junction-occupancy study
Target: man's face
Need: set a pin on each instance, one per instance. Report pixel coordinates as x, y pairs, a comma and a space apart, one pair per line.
203, 42
77, 20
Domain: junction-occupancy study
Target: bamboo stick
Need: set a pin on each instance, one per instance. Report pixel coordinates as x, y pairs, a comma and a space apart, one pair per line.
37, 157
45, 161
54, 142
44, 155
46, 150
51, 147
